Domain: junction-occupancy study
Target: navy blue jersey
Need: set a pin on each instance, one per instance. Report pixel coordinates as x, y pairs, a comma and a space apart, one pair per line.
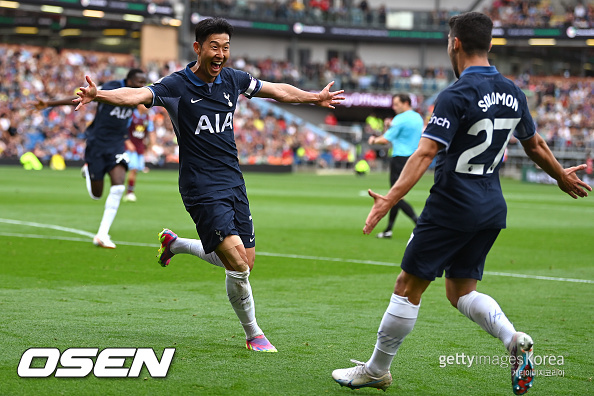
202, 118
474, 119
110, 127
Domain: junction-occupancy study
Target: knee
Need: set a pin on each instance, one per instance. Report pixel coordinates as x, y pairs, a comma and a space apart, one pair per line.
97, 191
406, 286
453, 299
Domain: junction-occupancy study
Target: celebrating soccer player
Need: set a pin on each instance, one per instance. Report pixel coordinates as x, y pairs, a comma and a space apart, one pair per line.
201, 101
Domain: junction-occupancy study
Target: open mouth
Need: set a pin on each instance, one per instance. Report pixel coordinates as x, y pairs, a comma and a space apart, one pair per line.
216, 66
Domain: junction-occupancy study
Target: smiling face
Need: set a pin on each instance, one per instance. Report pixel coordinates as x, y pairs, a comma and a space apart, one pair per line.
212, 54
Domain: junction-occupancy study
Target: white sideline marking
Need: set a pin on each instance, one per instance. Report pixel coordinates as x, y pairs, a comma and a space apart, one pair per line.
65, 238
293, 256
51, 226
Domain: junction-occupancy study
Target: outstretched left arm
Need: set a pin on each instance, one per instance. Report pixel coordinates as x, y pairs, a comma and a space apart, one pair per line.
287, 93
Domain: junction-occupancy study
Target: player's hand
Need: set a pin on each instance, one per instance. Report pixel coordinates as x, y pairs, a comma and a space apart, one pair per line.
573, 185
39, 105
329, 99
86, 94
381, 206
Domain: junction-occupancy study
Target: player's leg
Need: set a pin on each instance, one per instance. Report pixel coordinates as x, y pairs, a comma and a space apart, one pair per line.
211, 212
398, 321
224, 224
407, 209
118, 176
93, 172
239, 291
171, 245
133, 166
240, 253
423, 260
387, 232
238, 260
397, 167
461, 282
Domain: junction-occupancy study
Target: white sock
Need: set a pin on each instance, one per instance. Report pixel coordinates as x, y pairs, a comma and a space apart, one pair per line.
240, 296
484, 310
194, 247
112, 203
398, 321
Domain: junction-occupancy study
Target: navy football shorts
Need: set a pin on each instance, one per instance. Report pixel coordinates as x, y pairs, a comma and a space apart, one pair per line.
221, 213
432, 250
101, 160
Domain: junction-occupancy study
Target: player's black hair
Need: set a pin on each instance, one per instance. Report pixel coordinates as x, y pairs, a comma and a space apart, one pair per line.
132, 73
404, 98
209, 26
474, 30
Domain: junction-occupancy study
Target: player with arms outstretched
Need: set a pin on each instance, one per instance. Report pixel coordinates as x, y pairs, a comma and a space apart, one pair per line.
201, 101
469, 130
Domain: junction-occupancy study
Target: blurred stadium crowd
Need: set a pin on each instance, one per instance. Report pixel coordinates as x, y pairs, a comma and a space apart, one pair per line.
563, 107
505, 13
32, 73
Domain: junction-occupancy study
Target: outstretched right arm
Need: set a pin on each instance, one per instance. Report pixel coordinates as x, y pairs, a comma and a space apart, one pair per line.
118, 97
43, 104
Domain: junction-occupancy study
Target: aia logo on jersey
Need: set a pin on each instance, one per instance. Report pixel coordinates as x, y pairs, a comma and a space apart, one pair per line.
441, 121
121, 112
217, 125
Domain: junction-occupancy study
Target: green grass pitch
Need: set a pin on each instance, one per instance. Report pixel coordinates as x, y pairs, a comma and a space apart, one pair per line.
320, 288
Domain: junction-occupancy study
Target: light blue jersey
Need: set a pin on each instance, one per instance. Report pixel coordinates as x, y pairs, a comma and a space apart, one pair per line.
404, 133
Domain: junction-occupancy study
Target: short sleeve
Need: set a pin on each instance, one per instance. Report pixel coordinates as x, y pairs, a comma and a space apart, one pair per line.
160, 90
444, 121
249, 86
526, 128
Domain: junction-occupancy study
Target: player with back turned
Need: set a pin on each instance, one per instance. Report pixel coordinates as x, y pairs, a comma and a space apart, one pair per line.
201, 101
469, 130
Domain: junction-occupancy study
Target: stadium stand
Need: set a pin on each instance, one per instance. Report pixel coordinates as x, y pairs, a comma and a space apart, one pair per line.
562, 104
533, 13
264, 134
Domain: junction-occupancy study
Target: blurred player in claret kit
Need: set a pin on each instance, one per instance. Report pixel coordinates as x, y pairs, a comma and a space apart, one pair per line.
140, 130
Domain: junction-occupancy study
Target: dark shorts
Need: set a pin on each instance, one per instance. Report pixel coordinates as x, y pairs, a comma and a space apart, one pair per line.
222, 213
396, 166
432, 250
101, 160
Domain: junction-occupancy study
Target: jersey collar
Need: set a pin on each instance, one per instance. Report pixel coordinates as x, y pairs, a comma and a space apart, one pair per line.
480, 69
194, 78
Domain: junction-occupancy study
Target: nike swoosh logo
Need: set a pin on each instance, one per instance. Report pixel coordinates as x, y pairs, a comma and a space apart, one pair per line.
252, 239
195, 101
